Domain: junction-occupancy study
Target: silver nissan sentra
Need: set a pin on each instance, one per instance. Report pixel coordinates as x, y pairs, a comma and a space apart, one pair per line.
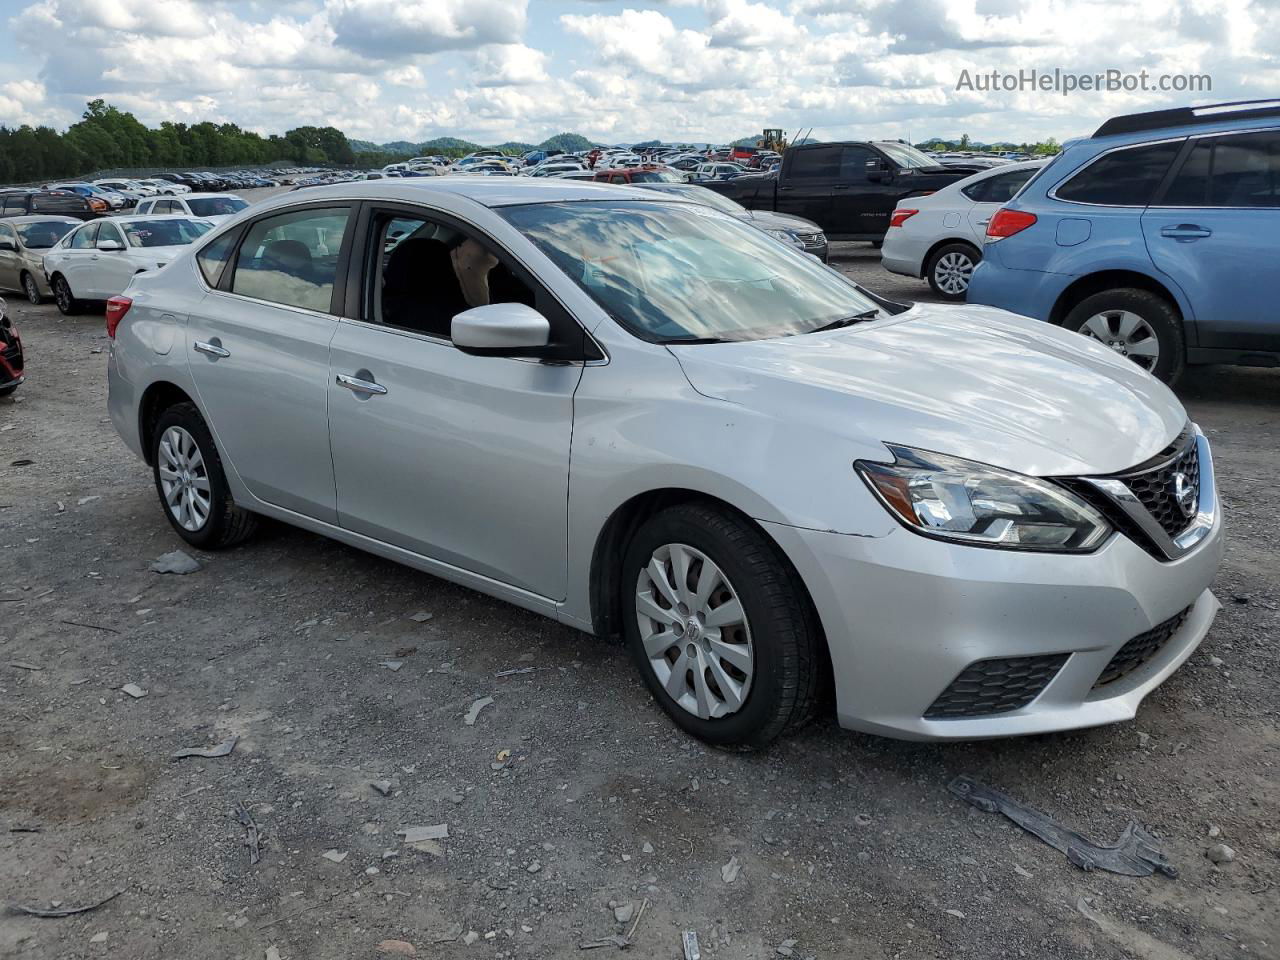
643, 418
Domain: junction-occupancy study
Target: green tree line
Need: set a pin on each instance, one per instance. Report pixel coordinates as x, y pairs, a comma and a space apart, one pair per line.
106, 137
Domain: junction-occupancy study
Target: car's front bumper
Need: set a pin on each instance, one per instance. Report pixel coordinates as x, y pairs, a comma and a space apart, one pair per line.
904, 616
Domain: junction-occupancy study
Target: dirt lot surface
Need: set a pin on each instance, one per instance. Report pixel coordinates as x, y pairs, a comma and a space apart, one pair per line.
571, 796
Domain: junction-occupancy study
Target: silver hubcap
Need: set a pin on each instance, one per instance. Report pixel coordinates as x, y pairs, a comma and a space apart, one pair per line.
33, 292
694, 631
1127, 334
952, 273
184, 480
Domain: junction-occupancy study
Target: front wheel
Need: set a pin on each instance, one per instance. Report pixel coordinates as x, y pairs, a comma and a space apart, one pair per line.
65, 299
1136, 324
191, 482
720, 627
950, 269
32, 290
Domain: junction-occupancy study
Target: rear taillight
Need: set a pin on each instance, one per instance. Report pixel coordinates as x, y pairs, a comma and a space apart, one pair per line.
117, 307
901, 216
96, 204
1006, 223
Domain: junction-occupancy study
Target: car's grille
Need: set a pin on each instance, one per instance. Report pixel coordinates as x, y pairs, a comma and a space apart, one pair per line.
812, 239
1140, 649
1158, 488
995, 686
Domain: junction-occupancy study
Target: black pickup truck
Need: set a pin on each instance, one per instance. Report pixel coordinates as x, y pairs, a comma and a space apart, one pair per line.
848, 188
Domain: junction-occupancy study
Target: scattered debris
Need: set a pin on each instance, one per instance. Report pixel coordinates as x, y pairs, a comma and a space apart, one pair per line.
208, 753
23, 828
470, 718
959, 915
384, 787
273, 952
470, 937
511, 673
402, 652
1143, 740
99, 937
420, 617
23, 665
89, 626
1214, 830
1220, 853
58, 912
535, 867
1136, 854
400, 948
176, 562
1025, 874
83, 500
439, 831
392, 665
617, 940
623, 912
689, 940
647, 848
21, 463
133, 690
729, 872
632, 932
337, 856
251, 832
787, 948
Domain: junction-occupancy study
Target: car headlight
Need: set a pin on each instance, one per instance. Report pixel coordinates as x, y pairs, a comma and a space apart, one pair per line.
785, 237
972, 503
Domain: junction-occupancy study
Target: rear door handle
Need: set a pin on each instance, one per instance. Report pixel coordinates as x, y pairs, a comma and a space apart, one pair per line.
212, 349
356, 385
1185, 231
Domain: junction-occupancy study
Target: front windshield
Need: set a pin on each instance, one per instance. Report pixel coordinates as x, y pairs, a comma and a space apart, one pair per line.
163, 233
43, 234
907, 156
704, 196
672, 272
216, 206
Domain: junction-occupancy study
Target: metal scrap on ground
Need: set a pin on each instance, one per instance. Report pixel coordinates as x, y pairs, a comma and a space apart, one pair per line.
60, 911
474, 711
208, 753
1137, 854
176, 562
251, 834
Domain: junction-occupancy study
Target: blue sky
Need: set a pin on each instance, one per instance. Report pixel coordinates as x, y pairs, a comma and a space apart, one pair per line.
619, 71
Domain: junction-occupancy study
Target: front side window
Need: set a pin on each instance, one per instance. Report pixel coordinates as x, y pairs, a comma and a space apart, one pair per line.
292, 258
108, 231
164, 233
673, 272
1239, 170
215, 206
424, 273
84, 238
820, 163
1122, 178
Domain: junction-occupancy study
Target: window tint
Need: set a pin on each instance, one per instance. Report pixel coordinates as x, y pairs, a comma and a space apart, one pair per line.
998, 189
427, 273
213, 258
15, 203
1122, 178
85, 237
816, 164
292, 258
853, 163
1232, 171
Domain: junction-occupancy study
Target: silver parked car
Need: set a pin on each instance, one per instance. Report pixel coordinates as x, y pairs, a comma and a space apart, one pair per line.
643, 417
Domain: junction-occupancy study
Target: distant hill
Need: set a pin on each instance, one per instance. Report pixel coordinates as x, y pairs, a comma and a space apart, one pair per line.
568, 142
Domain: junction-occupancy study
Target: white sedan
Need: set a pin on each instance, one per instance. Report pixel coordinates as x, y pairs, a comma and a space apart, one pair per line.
939, 237
99, 259
213, 207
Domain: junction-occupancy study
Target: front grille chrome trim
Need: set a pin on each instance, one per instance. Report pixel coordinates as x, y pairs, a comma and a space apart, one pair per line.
1199, 527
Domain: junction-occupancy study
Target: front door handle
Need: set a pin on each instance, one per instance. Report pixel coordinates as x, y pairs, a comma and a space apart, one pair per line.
1185, 231
356, 385
212, 349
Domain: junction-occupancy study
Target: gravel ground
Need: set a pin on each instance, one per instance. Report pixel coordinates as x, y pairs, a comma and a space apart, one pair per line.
571, 801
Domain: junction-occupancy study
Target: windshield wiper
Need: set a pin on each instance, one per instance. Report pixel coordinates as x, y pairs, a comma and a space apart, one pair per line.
848, 321
679, 340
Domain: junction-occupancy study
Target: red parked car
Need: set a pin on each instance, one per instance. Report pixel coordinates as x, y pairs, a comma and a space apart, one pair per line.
10, 353
646, 173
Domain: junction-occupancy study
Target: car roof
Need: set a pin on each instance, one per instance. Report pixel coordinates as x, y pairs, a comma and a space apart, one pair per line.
200, 196
487, 191
38, 218
152, 218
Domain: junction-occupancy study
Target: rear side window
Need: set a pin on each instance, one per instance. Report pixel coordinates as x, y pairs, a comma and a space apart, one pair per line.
213, 258
998, 189
84, 238
15, 204
1242, 170
292, 258
1122, 178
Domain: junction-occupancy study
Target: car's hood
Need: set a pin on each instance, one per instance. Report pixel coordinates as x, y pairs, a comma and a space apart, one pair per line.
970, 381
768, 220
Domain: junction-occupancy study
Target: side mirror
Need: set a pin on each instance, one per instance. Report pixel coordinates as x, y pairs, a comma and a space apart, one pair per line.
878, 171
501, 330
110, 245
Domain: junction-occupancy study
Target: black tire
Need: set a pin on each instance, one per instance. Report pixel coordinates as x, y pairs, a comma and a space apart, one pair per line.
877, 244
5, 391
226, 524
1159, 314
64, 298
954, 256
789, 659
31, 289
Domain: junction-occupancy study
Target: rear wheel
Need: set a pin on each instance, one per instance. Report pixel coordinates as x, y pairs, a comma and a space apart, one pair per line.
720, 627
64, 298
191, 482
31, 289
1136, 324
950, 269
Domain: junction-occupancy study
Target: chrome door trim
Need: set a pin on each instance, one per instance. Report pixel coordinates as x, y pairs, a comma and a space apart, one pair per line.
212, 349
356, 385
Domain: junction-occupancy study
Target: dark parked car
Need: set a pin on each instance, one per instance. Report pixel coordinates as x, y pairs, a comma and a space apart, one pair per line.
849, 189
11, 373
61, 203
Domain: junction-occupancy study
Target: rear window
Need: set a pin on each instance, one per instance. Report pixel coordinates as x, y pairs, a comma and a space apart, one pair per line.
216, 206
1122, 178
163, 233
999, 188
